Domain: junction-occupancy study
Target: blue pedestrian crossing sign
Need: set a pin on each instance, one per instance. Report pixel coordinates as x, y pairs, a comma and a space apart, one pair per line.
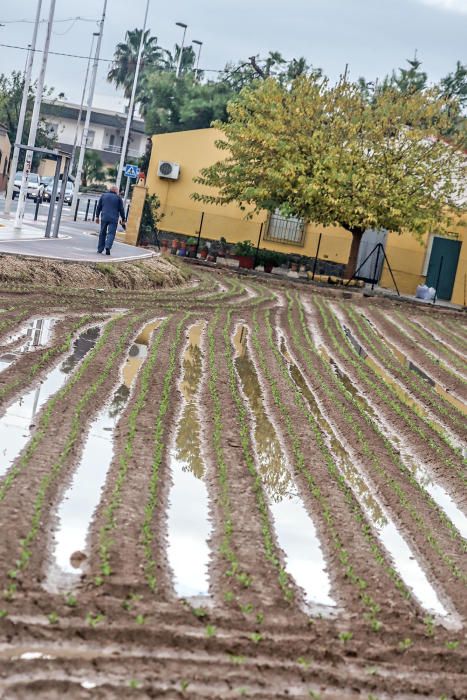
131, 171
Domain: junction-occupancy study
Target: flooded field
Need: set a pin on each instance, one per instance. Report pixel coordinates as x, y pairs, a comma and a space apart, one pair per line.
232, 489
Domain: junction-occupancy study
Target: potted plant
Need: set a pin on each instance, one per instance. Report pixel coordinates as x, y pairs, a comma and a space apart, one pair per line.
268, 259
245, 253
191, 243
175, 244
204, 252
222, 253
164, 245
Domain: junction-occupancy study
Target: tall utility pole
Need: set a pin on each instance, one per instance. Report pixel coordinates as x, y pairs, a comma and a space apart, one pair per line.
199, 44
22, 111
92, 86
180, 55
131, 106
83, 97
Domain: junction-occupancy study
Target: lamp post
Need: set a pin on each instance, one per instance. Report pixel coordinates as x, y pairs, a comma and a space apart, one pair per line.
78, 123
34, 121
199, 43
22, 111
92, 86
131, 106
179, 63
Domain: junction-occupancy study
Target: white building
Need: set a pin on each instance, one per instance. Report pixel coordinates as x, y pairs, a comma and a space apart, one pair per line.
106, 130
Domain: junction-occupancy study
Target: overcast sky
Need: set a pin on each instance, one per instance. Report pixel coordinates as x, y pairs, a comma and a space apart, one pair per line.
372, 36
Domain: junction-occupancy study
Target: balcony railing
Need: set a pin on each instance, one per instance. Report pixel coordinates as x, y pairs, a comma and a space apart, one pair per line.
134, 153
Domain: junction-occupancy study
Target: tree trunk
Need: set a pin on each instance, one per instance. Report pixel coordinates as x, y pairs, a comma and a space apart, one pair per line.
351, 266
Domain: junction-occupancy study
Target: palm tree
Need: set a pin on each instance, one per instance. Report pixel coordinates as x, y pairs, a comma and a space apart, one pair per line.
122, 70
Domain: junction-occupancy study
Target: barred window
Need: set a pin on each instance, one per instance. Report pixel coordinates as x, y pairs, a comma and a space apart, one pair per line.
286, 229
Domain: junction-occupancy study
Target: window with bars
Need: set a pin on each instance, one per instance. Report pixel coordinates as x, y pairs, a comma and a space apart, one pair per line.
286, 229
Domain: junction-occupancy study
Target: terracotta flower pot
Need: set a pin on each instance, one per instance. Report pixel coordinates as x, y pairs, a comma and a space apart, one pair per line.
203, 254
268, 267
246, 261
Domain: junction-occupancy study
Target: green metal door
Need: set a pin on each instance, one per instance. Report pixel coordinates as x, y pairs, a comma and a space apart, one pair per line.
444, 256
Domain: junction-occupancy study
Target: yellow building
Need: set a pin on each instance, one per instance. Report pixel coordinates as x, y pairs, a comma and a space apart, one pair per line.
186, 153
5, 151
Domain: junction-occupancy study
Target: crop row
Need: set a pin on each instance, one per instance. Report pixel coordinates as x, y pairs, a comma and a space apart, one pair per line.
73, 436
270, 548
421, 333
345, 557
444, 332
397, 486
418, 386
106, 532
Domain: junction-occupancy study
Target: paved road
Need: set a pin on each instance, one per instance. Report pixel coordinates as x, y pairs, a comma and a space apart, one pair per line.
77, 241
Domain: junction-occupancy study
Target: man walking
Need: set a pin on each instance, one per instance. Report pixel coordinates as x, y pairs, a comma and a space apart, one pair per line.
109, 209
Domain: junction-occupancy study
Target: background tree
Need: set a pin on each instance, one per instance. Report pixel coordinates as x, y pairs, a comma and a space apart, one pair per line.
11, 93
328, 155
93, 169
122, 71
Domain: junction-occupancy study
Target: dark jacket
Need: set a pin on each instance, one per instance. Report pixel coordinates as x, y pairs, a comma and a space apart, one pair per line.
110, 207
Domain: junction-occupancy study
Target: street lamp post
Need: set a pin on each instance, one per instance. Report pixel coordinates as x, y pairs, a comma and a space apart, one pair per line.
34, 121
22, 111
132, 101
199, 43
92, 86
83, 96
179, 63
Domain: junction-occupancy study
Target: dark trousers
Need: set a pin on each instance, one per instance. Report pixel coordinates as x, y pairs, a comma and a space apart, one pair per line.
107, 235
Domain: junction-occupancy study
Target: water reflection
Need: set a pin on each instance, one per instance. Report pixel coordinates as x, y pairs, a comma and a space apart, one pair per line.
295, 530
36, 333
82, 497
17, 423
188, 524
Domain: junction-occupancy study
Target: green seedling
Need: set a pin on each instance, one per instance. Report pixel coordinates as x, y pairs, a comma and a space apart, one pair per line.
200, 613
210, 631
184, 685
429, 625
71, 601
376, 625
3, 612
229, 596
247, 608
405, 644
345, 636
134, 684
314, 694
371, 670
303, 662
241, 691
237, 659
256, 637
452, 645
140, 619
244, 579
260, 618
53, 618
94, 620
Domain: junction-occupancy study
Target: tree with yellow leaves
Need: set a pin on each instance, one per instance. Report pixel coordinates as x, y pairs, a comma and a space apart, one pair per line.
331, 156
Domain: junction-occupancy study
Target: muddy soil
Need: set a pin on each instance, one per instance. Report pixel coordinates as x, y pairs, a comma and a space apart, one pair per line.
119, 630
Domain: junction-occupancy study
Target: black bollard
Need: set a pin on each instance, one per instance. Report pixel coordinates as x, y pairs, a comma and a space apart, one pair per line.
94, 210
36, 211
76, 210
87, 210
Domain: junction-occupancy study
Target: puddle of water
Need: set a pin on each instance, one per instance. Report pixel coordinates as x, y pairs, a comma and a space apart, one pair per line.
295, 530
37, 334
189, 528
82, 497
404, 561
17, 423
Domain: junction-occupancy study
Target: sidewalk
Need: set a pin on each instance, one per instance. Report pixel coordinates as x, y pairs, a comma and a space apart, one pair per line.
72, 245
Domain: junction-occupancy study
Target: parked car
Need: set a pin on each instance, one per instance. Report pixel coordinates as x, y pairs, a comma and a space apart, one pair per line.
35, 186
68, 192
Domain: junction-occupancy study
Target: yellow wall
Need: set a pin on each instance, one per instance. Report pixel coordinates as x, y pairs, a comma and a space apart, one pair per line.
195, 150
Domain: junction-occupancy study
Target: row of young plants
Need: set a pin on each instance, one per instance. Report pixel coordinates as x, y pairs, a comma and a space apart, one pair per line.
395, 485
417, 385
420, 332
7, 324
45, 357
109, 523
442, 332
226, 548
147, 529
270, 549
433, 359
455, 328
75, 431
447, 454
357, 580
46, 414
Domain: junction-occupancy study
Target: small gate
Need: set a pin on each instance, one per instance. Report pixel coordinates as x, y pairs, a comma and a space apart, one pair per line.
370, 239
442, 267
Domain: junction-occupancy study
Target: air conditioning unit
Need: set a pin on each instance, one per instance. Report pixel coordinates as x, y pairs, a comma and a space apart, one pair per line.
169, 170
